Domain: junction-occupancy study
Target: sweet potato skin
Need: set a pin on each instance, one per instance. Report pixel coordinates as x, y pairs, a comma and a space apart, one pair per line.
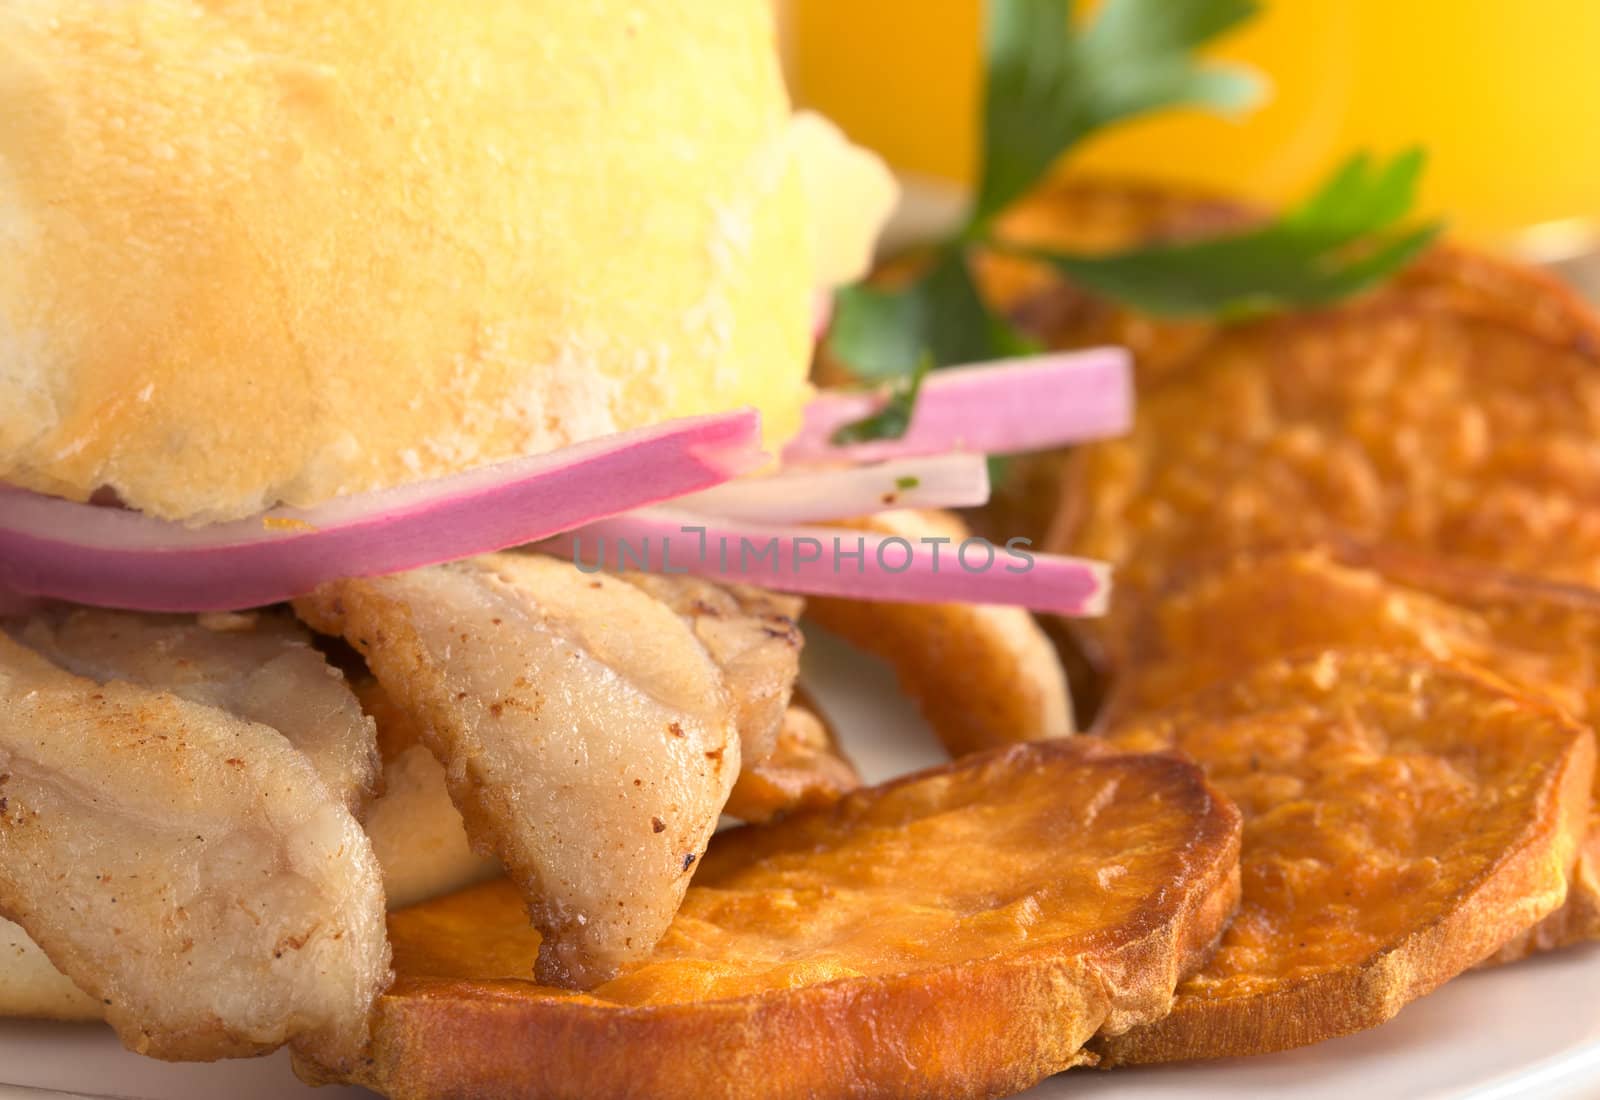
800, 965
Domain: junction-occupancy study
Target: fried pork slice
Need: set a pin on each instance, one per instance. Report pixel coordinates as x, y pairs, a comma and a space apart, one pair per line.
585, 732
751, 635
186, 868
260, 667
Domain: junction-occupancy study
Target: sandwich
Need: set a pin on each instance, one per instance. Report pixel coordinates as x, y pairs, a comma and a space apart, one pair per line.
411, 484
316, 318
272, 268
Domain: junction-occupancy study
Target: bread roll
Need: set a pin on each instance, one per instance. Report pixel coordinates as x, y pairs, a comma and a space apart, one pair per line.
263, 252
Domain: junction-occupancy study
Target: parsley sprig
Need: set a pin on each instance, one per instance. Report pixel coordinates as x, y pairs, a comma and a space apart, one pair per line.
1342, 240
1054, 80
891, 421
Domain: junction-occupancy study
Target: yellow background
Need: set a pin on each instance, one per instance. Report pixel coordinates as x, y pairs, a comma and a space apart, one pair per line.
1504, 93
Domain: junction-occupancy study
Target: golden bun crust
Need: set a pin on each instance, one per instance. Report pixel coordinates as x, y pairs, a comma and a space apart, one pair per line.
280, 252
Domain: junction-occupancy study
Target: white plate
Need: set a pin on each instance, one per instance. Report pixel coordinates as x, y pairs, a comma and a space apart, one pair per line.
1531, 1030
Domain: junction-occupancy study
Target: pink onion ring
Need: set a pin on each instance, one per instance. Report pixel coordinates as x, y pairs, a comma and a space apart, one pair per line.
114, 558
12, 604
1008, 407
805, 560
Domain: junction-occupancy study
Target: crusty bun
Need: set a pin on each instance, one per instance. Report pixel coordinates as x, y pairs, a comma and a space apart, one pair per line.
852, 194
262, 252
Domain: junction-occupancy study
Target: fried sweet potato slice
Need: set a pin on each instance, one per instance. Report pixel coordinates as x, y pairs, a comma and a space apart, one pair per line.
1209, 623
1540, 636
1422, 429
1313, 441
959, 932
1404, 819
981, 675
1325, 420
805, 769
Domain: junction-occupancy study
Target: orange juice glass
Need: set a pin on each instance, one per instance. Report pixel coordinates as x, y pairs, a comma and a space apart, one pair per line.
1505, 95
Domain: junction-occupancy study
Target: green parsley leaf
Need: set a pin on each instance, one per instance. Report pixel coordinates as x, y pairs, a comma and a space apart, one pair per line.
884, 334
906, 483
1053, 82
891, 421
878, 334
1344, 239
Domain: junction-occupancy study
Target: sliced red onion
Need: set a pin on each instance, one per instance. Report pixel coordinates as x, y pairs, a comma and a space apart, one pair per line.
817, 495
115, 558
13, 604
836, 561
1008, 407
